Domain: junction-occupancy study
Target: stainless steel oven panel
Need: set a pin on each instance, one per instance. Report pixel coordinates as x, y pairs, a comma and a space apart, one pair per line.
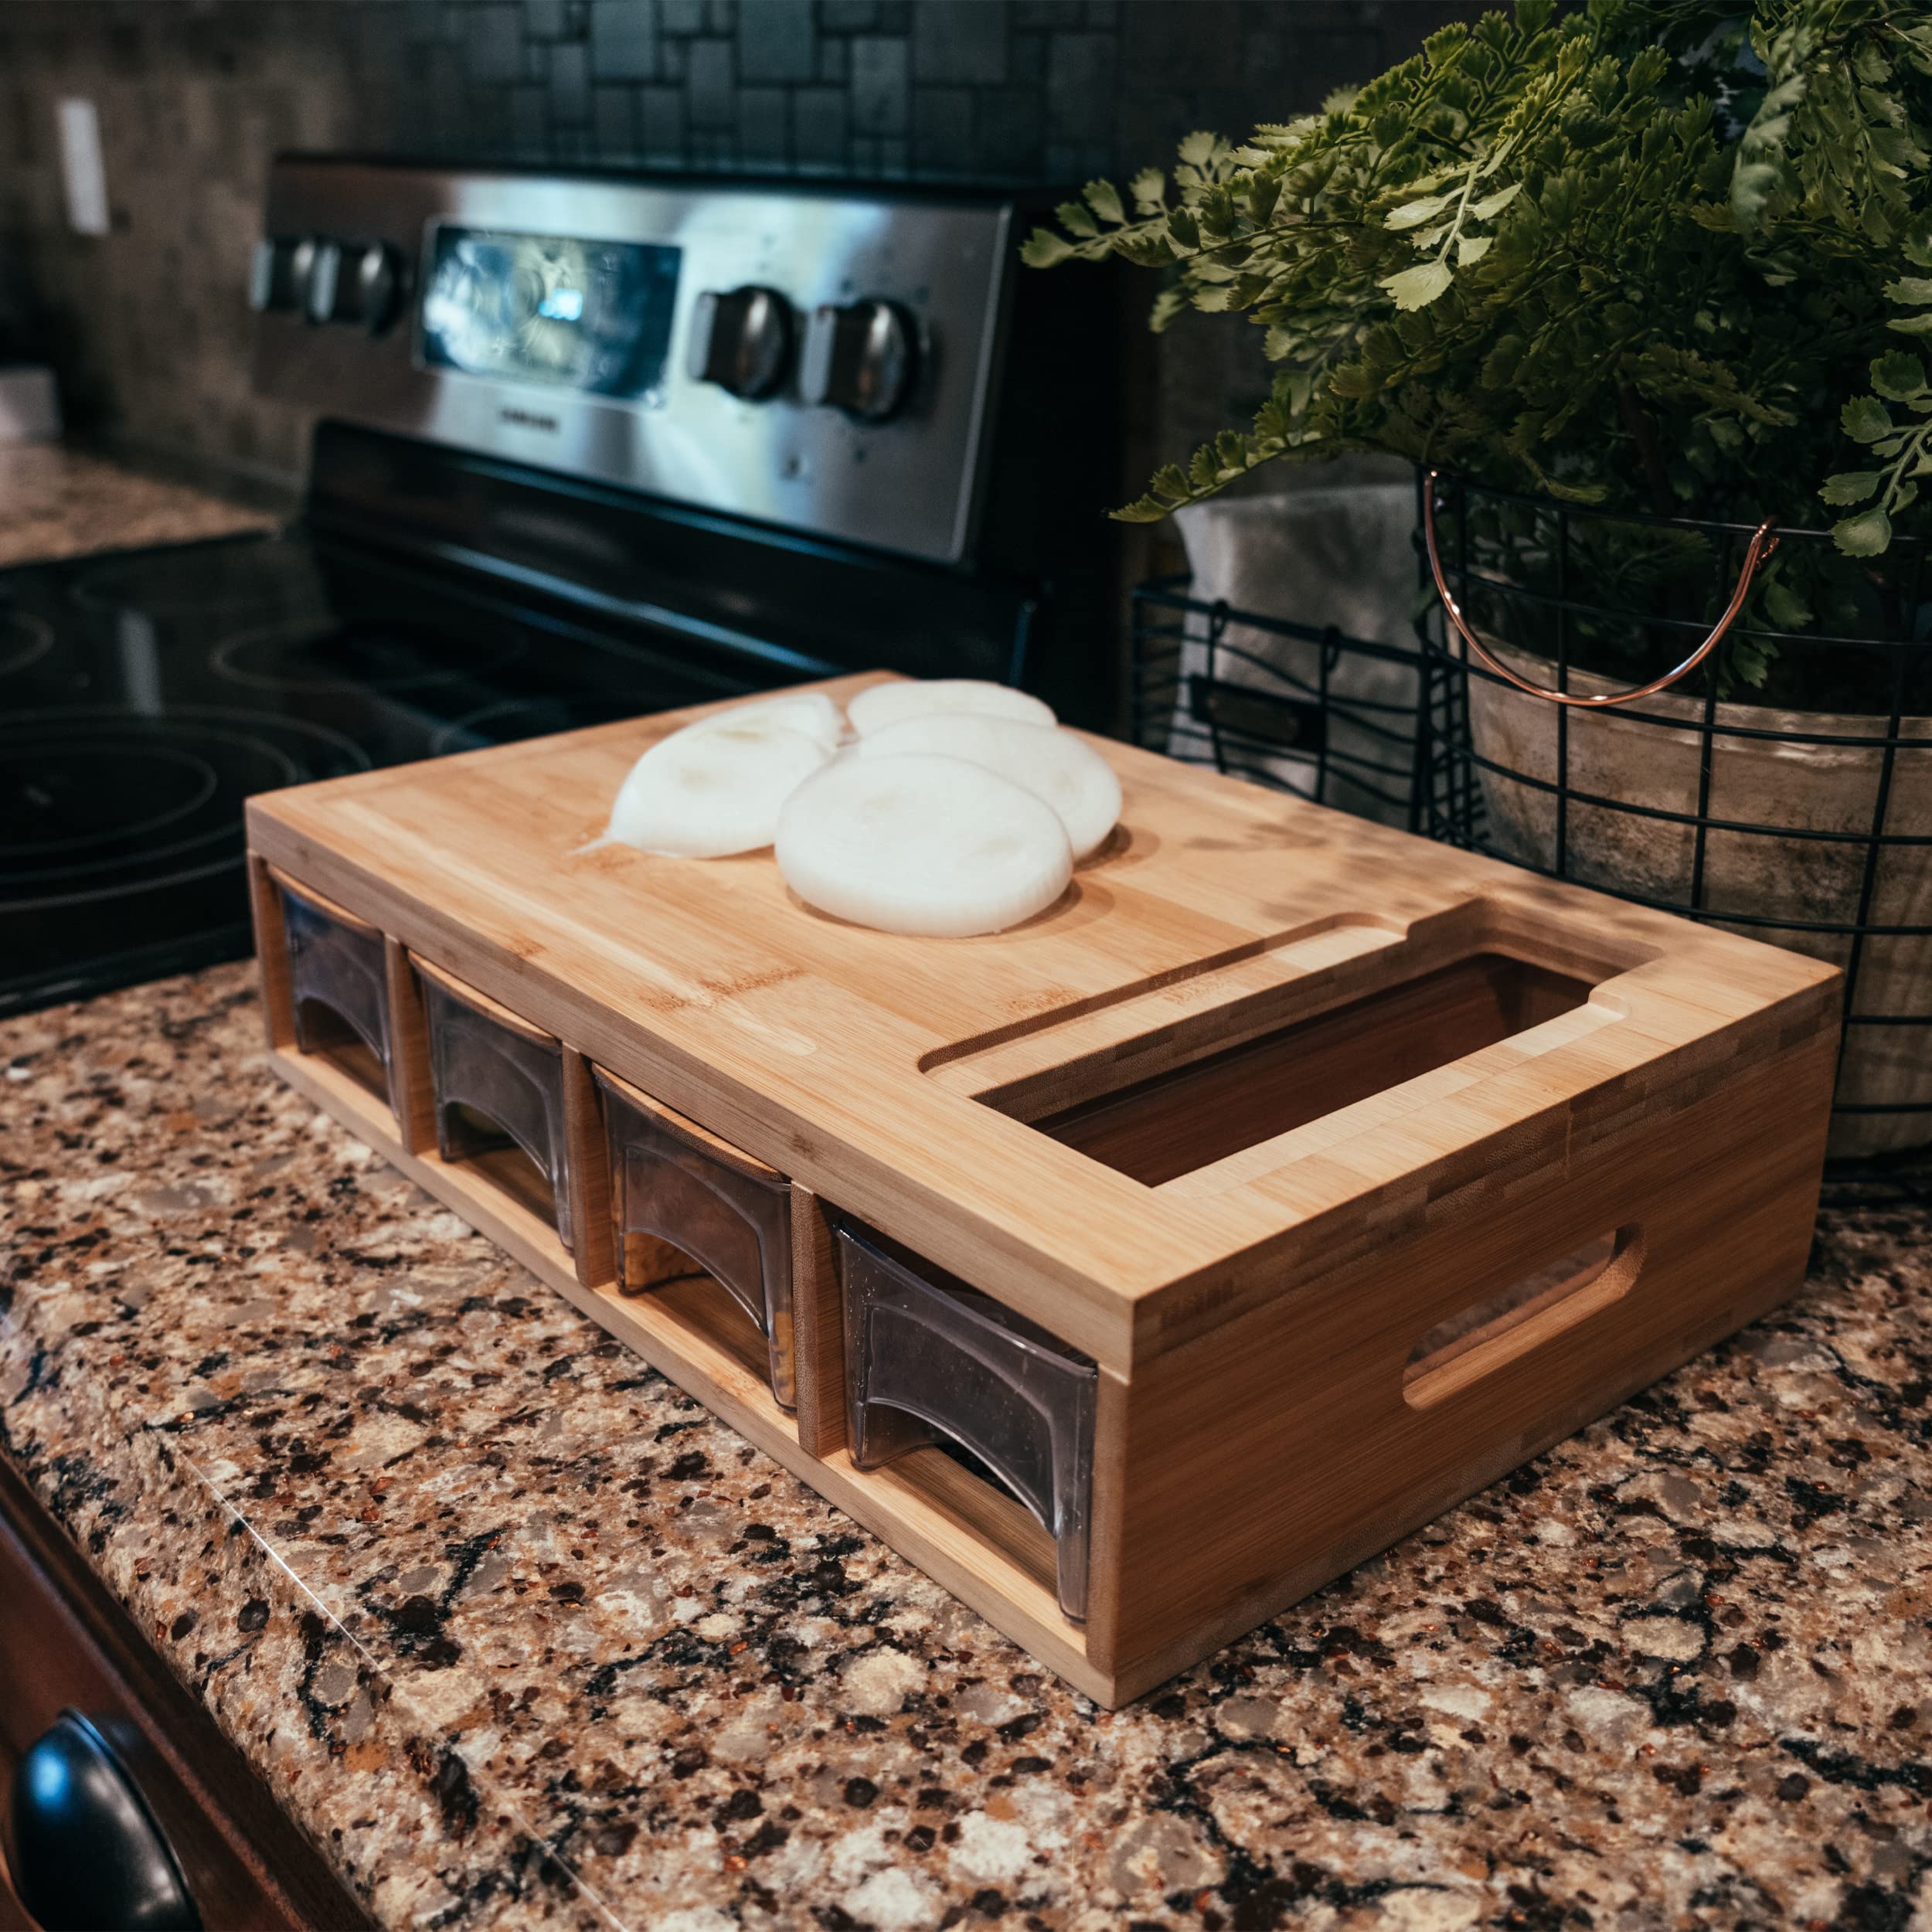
911, 484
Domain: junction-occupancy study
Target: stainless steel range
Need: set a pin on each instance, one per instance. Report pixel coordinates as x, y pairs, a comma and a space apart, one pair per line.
587, 447
821, 361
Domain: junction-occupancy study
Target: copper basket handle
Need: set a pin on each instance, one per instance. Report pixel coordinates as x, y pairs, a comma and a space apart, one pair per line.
1763, 542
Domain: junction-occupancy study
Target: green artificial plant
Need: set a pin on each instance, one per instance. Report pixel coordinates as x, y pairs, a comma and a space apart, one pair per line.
1662, 256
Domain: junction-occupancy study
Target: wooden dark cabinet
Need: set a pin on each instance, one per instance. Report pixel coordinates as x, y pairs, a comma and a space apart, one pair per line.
66, 1645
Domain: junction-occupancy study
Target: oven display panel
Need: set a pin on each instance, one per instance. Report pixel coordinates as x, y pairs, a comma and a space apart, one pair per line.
592, 316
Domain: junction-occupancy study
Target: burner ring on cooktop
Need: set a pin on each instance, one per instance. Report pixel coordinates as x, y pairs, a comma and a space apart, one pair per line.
25, 638
312, 663
256, 574
127, 776
96, 803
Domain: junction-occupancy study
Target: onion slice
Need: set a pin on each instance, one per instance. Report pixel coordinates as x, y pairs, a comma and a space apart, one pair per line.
713, 788
1054, 765
880, 705
810, 712
925, 845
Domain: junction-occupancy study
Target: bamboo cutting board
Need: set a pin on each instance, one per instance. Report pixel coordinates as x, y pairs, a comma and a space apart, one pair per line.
1271, 1097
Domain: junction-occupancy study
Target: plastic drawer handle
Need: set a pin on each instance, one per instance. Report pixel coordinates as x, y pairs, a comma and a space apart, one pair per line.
509, 1079
336, 966
733, 1216
87, 1855
927, 1362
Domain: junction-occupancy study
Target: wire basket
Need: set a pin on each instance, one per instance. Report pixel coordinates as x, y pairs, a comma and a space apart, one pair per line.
1779, 784
1305, 708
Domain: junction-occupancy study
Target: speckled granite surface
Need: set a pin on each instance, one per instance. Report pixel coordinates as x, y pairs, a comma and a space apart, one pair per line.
520, 1636
56, 501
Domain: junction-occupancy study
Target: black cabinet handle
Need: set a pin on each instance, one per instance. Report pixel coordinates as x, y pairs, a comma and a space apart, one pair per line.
87, 1854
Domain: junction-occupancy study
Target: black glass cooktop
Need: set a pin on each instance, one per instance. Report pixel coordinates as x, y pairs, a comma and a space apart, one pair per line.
144, 696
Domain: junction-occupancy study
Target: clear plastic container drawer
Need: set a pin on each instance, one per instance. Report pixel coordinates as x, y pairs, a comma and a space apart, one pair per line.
497, 1084
672, 1182
930, 1362
337, 986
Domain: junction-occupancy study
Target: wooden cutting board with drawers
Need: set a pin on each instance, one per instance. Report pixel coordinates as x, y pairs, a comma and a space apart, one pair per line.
1314, 1176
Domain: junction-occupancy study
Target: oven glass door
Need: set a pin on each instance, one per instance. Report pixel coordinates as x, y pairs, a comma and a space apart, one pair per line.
550, 310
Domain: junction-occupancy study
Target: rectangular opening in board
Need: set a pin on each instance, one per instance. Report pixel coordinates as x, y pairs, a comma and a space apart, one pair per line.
1194, 1115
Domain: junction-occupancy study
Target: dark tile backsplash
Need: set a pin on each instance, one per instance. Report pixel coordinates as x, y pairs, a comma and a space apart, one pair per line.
148, 328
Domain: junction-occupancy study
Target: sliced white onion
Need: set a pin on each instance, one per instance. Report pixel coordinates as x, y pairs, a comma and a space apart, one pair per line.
880, 705
713, 788
927, 845
1052, 764
810, 712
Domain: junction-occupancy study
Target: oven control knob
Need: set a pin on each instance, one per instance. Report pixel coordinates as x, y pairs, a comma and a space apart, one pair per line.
861, 359
378, 289
279, 275
301, 269
271, 276
741, 340
318, 277
359, 283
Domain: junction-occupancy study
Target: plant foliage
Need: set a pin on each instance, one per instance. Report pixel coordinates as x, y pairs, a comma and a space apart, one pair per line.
1656, 255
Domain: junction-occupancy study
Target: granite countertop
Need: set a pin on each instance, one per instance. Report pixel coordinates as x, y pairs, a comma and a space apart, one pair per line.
518, 1635
58, 501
